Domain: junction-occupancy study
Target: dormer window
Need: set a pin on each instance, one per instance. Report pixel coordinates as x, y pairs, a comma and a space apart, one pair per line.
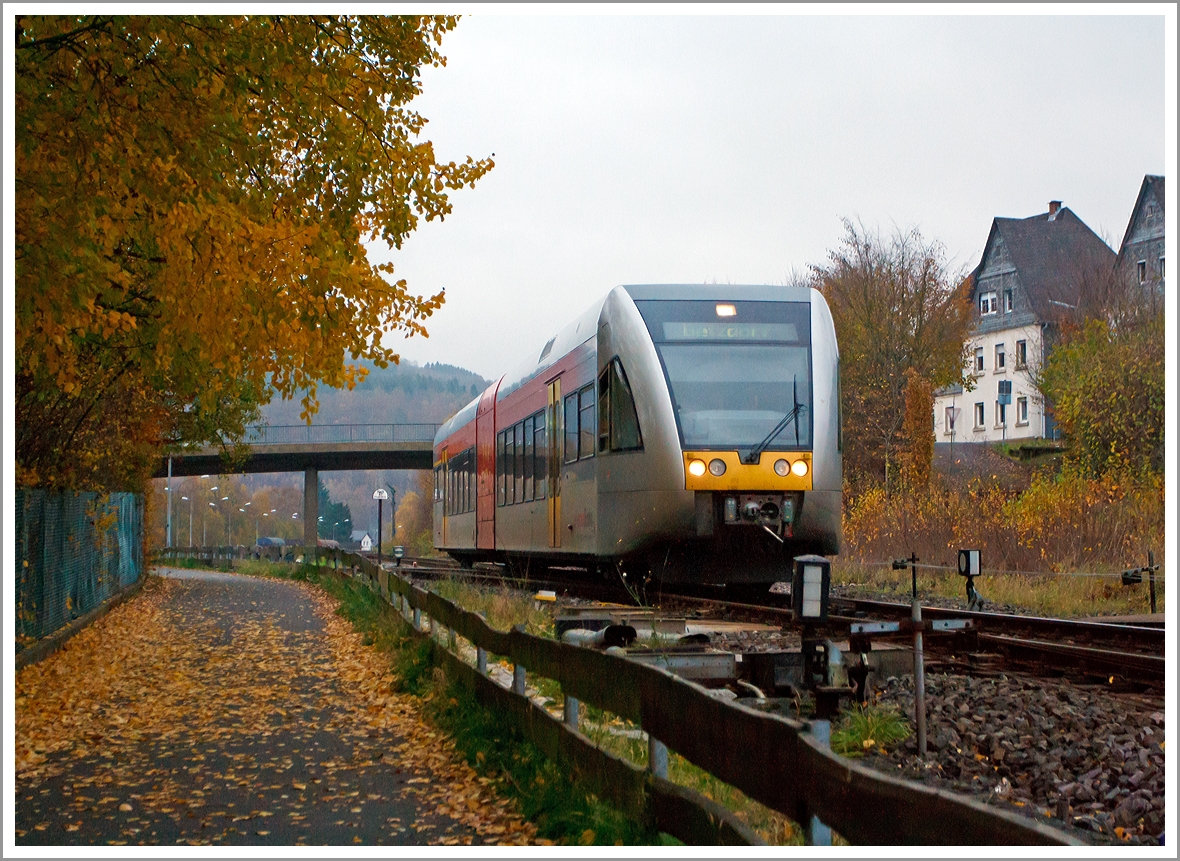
1142, 271
1008, 302
987, 303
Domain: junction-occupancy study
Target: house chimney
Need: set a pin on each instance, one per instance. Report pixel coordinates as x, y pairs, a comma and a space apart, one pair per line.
1054, 205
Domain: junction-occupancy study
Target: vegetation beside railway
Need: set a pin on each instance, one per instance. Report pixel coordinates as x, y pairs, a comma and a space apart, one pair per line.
1058, 525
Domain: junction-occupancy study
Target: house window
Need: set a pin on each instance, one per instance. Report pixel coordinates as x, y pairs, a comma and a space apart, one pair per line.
1008, 302
1021, 354
987, 303
1001, 414
1022, 411
1142, 271
1161, 268
978, 359
999, 358
979, 416
950, 420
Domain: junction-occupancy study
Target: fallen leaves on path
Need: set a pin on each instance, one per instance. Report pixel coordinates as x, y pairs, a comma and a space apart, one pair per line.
183, 703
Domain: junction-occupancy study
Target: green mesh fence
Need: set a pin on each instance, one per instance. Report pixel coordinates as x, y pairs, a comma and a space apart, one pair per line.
73, 551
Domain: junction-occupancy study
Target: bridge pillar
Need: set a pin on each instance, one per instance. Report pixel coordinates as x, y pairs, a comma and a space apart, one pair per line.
311, 505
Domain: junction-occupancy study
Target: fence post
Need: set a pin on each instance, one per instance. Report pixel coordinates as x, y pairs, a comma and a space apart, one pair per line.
1151, 578
417, 619
657, 757
518, 679
819, 834
569, 712
481, 661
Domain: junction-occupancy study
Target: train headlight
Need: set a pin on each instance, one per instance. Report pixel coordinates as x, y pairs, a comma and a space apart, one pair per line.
781, 467
696, 467
717, 466
799, 467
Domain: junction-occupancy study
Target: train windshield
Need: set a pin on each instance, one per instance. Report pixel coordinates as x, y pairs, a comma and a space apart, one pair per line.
739, 372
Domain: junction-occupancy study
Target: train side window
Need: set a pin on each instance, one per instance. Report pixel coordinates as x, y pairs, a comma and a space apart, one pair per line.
471, 483
528, 459
540, 457
571, 428
449, 493
624, 422
518, 465
500, 453
604, 411
586, 432
618, 423
510, 466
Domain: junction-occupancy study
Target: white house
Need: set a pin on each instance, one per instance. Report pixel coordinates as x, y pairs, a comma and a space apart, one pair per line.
361, 537
1031, 271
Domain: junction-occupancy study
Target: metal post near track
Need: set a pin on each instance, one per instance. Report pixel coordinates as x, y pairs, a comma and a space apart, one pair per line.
819, 834
919, 662
518, 679
657, 757
569, 712
481, 661
1151, 578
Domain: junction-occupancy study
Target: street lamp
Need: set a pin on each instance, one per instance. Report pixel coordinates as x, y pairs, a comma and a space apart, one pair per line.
204, 533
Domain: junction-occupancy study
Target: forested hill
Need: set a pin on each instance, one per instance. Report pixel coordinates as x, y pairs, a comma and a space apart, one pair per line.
400, 393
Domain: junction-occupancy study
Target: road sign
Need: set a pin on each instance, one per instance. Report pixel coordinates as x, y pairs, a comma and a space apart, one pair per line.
381, 493
1005, 392
399, 552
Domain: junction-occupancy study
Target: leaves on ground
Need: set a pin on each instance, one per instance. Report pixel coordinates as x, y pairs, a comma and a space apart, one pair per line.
165, 705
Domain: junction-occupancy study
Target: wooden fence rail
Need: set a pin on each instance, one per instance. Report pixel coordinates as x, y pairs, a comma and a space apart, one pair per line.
774, 760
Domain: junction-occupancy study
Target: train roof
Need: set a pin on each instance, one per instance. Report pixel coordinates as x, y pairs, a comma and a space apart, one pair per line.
578, 332
585, 326
711, 292
465, 415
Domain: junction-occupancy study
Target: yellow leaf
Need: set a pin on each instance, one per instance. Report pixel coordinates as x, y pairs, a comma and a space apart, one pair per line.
587, 838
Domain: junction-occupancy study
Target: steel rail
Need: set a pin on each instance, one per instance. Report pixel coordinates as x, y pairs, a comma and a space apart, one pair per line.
1149, 639
1129, 666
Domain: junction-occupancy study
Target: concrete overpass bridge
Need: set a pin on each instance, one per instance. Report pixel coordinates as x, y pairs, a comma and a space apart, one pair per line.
310, 449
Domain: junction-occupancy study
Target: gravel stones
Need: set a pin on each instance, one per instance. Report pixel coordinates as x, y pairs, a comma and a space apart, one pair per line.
1088, 758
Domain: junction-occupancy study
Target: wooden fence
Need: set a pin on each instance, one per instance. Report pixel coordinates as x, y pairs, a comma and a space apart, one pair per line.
775, 760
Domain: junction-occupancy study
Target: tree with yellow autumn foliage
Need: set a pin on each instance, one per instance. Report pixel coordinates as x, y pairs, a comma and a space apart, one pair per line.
193, 199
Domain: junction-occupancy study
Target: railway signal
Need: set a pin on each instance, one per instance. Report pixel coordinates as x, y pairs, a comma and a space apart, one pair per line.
380, 494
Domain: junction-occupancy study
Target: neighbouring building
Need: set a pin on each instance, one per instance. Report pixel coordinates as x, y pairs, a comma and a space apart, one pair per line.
360, 538
1031, 271
1141, 255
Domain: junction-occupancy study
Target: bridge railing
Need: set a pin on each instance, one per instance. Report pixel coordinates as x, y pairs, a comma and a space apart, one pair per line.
310, 434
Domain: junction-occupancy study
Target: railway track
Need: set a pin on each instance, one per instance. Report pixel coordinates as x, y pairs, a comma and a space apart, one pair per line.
1131, 656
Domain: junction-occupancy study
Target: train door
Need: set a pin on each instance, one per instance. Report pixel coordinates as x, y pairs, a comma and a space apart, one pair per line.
554, 431
485, 468
443, 493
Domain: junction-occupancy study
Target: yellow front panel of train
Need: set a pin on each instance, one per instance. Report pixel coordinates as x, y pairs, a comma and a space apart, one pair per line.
724, 470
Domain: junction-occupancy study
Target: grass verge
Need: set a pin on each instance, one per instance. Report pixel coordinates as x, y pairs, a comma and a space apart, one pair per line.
1058, 595
561, 812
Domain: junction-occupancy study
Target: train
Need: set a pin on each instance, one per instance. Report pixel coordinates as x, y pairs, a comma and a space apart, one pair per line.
671, 433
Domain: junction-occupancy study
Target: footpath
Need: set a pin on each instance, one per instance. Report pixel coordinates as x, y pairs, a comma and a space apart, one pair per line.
218, 709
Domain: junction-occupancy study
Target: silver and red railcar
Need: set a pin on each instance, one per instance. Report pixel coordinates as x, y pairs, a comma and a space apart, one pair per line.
689, 433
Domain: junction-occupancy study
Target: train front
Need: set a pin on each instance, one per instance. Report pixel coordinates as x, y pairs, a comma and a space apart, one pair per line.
751, 374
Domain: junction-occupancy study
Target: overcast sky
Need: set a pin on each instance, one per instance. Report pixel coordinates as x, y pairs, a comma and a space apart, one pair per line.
728, 149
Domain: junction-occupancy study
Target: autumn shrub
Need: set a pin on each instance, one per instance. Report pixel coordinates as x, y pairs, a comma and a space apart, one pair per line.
1061, 522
